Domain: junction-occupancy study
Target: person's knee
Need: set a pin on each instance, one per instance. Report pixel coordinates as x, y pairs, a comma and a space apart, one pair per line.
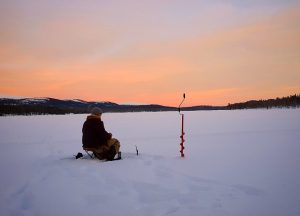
114, 142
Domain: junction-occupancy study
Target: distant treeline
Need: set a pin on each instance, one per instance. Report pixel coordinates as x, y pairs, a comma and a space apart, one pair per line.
290, 101
55, 106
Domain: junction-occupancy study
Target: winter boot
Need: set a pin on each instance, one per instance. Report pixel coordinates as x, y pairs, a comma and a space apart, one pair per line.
111, 153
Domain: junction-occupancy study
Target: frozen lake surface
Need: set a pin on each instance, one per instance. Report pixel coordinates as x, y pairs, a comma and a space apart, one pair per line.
237, 163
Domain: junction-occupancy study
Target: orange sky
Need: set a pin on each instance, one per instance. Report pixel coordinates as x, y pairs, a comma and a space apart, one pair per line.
151, 51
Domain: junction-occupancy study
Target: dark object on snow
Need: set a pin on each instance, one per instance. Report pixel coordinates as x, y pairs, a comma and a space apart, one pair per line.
79, 155
137, 151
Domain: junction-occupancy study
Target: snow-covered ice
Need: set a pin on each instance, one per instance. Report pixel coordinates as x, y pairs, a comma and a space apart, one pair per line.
237, 163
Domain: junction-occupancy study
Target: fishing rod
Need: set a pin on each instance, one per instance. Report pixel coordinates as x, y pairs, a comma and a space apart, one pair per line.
182, 127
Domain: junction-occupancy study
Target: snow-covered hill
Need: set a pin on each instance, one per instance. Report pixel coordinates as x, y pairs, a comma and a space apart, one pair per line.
237, 163
52, 102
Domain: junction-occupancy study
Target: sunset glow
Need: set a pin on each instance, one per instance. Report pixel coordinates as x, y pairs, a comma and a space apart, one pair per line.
150, 52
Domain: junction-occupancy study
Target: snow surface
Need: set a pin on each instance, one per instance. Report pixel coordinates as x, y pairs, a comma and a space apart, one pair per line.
237, 163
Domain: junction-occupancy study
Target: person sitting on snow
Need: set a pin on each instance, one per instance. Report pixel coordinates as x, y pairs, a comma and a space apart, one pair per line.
95, 138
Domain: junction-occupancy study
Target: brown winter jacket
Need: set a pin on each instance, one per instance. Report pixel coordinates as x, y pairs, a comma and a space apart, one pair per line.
94, 134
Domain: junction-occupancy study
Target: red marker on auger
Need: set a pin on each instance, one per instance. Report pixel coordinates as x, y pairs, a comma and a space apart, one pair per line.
182, 128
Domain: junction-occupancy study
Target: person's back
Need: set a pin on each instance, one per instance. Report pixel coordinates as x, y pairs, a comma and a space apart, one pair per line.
97, 139
93, 133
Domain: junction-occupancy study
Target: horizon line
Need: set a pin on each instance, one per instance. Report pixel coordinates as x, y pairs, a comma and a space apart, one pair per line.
131, 103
